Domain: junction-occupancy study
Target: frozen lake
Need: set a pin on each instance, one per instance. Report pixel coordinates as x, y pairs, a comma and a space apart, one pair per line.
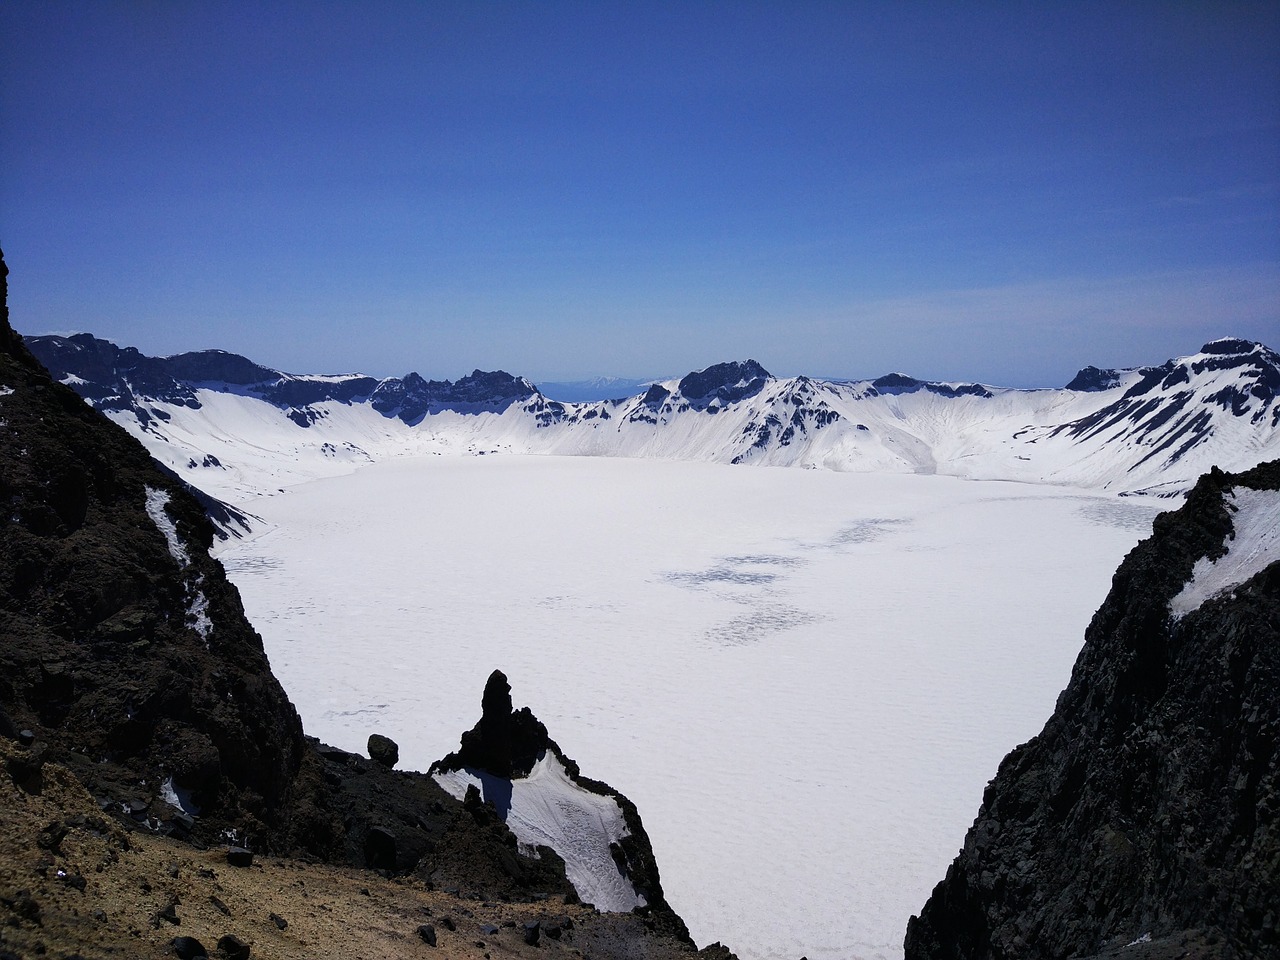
804, 679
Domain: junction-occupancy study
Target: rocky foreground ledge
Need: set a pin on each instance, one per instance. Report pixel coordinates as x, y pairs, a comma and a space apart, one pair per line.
76, 883
1144, 820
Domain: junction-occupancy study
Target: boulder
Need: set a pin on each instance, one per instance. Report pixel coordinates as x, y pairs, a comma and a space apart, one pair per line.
383, 750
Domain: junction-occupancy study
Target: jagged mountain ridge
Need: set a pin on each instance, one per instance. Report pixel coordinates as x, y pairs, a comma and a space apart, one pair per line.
115, 378
1148, 429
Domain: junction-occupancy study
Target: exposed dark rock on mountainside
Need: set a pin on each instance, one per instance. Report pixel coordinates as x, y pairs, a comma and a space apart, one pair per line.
104, 654
126, 658
413, 398
1146, 811
1162, 413
726, 382
1093, 379
895, 383
116, 378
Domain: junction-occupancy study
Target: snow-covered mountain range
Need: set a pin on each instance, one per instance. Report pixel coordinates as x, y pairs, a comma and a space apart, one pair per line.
237, 429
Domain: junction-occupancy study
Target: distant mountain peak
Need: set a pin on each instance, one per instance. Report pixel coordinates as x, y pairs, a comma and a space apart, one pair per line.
1231, 345
896, 383
1093, 379
728, 382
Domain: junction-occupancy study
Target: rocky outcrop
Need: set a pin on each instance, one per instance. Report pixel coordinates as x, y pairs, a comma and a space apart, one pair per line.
1094, 379
503, 749
505, 742
1142, 821
412, 398
126, 650
898, 383
724, 382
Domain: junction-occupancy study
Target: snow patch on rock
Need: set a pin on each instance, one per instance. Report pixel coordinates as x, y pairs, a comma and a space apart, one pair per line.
198, 608
1253, 546
198, 613
157, 500
178, 798
547, 808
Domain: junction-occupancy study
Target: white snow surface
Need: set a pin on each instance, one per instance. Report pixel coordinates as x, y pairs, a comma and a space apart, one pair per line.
1253, 546
157, 500
804, 679
547, 808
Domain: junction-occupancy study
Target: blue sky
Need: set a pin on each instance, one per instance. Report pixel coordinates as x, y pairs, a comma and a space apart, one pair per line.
992, 191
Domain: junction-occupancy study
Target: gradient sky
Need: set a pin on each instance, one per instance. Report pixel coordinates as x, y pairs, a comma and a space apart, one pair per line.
993, 191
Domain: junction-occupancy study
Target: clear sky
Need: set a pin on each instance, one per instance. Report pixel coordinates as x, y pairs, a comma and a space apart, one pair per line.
980, 190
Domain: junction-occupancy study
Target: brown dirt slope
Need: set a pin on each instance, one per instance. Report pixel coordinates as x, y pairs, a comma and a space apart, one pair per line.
74, 883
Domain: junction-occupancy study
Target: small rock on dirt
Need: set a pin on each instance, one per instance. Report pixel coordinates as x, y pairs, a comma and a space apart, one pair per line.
188, 948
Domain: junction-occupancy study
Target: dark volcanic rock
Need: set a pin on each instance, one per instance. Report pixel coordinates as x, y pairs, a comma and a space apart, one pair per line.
233, 948
505, 742
1146, 811
1093, 379
383, 750
188, 948
125, 656
103, 656
122, 378
1230, 345
412, 398
726, 382
896, 383
380, 849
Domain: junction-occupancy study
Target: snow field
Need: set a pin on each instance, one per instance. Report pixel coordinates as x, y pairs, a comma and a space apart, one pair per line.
803, 679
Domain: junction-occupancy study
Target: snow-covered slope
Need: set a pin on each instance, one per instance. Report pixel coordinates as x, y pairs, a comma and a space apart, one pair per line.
237, 429
546, 808
1253, 546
